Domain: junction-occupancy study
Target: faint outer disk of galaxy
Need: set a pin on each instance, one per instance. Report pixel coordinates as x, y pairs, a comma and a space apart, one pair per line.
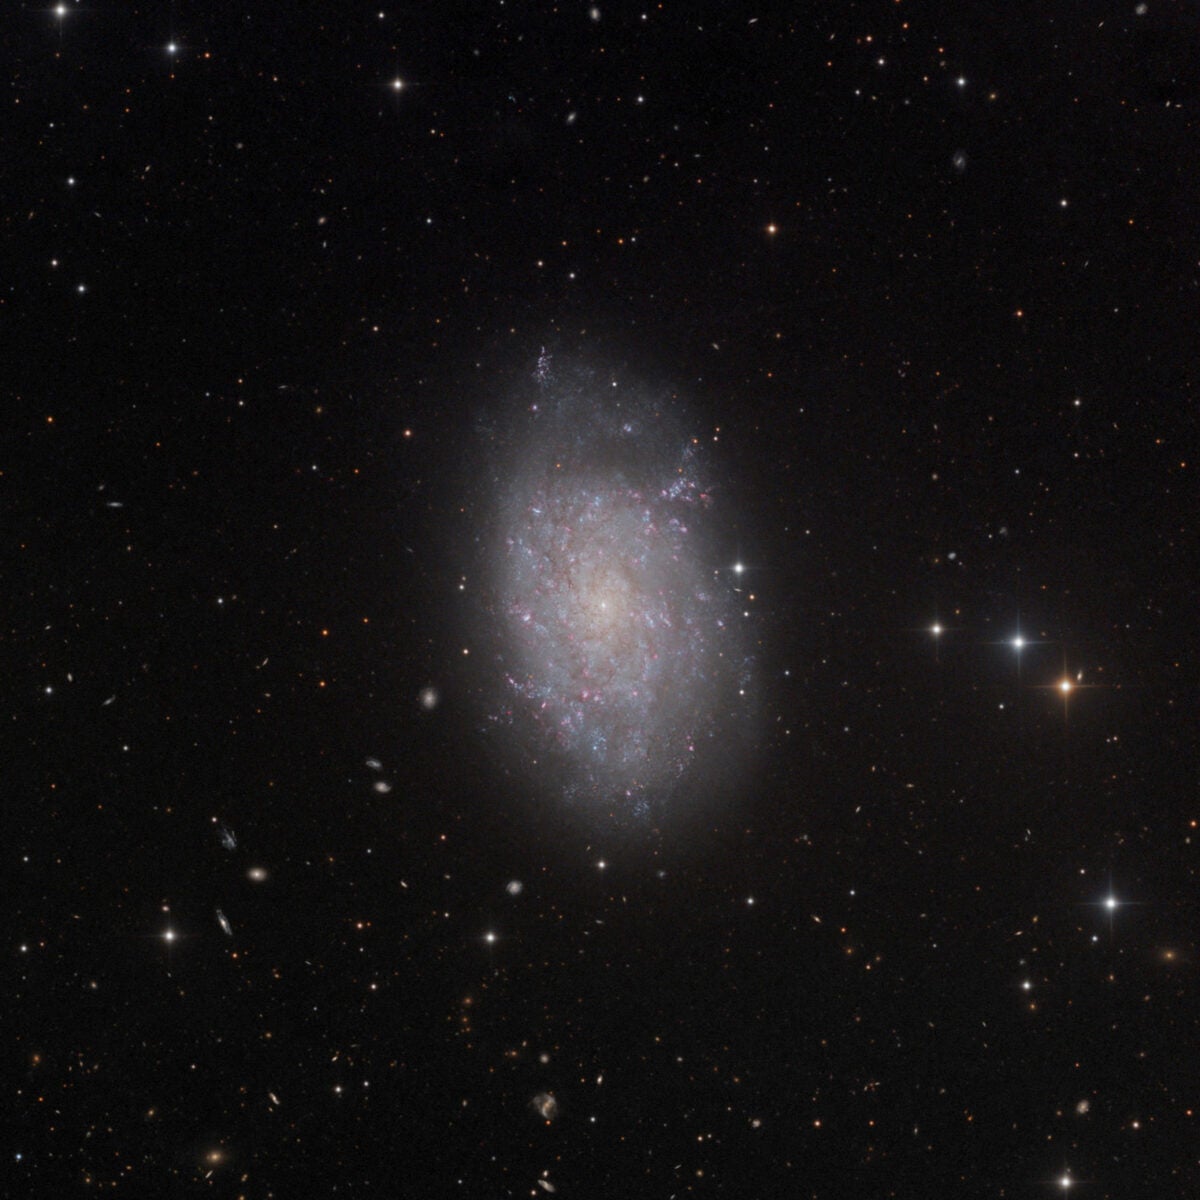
618, 667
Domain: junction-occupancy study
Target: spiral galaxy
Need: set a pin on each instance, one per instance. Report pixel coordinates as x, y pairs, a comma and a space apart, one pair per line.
617, 649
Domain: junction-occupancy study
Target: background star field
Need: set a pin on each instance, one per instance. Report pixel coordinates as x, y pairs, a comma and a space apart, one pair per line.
291, 911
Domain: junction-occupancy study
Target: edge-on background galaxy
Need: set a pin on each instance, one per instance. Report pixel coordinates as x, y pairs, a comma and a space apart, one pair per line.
618, 669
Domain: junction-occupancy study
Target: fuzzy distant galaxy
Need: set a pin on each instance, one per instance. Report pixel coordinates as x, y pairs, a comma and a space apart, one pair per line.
618, 664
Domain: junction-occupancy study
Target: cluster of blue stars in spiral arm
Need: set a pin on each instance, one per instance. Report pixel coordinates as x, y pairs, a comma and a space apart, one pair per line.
620, 659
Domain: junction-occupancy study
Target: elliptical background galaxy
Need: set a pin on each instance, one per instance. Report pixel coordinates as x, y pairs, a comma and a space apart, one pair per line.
619, 665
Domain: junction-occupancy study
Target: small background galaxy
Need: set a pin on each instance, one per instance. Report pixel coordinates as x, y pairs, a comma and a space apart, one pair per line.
431, 770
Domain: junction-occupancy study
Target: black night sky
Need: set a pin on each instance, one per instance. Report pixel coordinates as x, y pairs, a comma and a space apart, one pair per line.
898, 900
